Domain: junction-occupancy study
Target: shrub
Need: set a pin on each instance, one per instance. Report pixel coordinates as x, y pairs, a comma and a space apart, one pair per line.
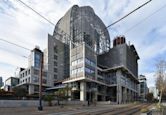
49, 99
144, 110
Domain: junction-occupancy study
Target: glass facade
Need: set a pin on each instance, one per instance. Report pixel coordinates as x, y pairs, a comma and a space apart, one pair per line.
78, 61
37, 60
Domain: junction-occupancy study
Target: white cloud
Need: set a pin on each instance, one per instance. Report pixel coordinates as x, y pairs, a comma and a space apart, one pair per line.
150, 79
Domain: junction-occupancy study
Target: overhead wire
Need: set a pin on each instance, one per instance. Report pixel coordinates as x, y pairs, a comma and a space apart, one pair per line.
146, 18
61, 29
36, 12
15, 44
14, 53
128, 14
103, 31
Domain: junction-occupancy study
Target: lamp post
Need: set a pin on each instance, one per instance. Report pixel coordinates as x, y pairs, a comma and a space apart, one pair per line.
40, 107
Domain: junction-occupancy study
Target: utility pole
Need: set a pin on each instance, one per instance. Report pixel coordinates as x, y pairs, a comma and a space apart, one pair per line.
40, 108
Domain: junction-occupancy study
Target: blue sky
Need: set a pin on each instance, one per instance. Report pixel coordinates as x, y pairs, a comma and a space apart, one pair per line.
22, 26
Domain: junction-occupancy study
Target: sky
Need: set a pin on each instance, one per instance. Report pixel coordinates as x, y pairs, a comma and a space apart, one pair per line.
145, 28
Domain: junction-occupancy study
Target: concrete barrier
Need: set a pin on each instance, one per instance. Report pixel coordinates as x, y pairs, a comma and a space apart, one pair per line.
106, 103
35, 103
19, 103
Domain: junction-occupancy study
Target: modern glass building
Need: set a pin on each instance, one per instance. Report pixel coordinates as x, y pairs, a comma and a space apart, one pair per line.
80, 55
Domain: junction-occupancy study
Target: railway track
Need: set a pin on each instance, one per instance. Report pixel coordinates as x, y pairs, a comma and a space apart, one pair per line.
128, 110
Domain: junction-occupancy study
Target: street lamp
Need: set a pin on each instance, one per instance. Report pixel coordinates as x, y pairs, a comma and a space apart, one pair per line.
40, 107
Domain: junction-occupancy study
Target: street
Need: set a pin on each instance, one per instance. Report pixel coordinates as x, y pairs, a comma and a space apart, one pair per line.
75, 110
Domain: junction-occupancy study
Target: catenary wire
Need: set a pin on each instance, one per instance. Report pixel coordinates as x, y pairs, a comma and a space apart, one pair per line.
13, 53
103, 31
15, 44
36, 12
146, 18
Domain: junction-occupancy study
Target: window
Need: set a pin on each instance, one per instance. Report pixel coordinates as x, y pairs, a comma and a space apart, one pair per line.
29, 79
89, 62
45, 74
35, 79
29, 72
36, 72
55, 49
75, 62
90, 71
55, 69
55, 57
78, 70
36, 88
55, 76
79, 60
87, 70
44, 81
55, 63
26, 73
37, 60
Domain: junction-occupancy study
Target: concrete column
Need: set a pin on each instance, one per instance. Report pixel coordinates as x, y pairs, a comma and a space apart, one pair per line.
95, 95
130, 95
125, 93
83, 59
70, 58
31, 89
119, 94
82, 91
134, 96
70, 94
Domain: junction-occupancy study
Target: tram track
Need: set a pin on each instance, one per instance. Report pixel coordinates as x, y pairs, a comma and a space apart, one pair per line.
127, 111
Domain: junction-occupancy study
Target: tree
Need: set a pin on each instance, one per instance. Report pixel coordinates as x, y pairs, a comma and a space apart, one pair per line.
62, 94
161, 78
49, 99
19, 92
149, 97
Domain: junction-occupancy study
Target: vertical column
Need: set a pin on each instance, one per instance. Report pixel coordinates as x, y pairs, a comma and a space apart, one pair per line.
119, 87
70, 58
134, 96
31, 89
83, 58
70, 95
130, 95
82, 91
125, 95
95, 94
119, 94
